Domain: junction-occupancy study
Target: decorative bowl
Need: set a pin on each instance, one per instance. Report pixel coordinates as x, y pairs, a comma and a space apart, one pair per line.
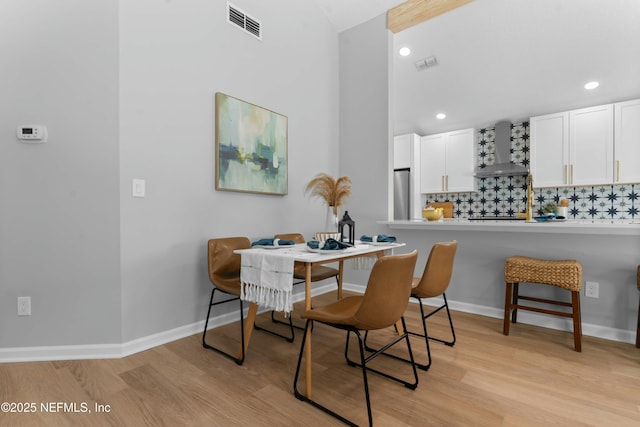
324, 235
431, 214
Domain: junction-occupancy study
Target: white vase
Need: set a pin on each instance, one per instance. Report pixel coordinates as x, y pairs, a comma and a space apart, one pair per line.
331, 222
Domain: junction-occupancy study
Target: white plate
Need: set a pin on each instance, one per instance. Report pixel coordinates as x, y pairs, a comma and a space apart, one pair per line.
324, 251
377, 243
272, 247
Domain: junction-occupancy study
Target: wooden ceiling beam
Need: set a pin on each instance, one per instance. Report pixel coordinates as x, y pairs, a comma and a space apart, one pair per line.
413, 12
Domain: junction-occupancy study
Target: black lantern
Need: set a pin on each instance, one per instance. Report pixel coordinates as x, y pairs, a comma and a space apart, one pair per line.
347, 222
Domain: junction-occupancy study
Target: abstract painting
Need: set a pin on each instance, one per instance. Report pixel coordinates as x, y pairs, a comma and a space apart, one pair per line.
251, 147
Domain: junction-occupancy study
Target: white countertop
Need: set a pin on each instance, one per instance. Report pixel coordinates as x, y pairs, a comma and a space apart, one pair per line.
578, 226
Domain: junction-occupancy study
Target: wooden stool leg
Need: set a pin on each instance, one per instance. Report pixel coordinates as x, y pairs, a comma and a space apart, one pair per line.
507, 309
577, 321
514, 312
638, 333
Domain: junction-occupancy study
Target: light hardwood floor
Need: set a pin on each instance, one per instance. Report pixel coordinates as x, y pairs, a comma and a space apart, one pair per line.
530, 378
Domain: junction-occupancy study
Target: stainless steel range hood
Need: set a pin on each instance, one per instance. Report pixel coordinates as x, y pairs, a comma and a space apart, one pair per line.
503, 165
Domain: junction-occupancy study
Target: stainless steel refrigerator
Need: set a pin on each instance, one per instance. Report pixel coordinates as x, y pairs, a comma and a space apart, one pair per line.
401, 194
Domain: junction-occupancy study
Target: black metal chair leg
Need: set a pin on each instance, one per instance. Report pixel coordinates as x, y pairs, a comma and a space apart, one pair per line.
377, 352
445, 306
423, 335
362, 364
304, 398
290, 324
426, 339
240, 360
274, 320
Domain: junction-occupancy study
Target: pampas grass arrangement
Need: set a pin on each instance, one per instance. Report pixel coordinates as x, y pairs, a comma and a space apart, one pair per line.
332, 191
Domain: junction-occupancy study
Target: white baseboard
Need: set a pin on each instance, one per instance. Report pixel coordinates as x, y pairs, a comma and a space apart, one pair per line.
529, 318
114, 351
62, 352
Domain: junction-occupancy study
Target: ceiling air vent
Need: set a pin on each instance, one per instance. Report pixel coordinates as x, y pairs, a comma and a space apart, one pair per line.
425, 63
239, 18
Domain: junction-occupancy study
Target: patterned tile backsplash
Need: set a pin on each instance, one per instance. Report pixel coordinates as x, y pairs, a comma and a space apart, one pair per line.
503, 196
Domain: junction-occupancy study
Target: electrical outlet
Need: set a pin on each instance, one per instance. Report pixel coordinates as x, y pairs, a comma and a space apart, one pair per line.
592, 289
24, 306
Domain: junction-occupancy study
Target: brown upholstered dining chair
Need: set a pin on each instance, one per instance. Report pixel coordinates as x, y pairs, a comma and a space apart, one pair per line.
224, 273
433, 283
383, 304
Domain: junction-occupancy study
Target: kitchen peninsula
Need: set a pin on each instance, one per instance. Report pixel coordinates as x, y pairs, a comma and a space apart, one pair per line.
609, 251
602, 230
600, 227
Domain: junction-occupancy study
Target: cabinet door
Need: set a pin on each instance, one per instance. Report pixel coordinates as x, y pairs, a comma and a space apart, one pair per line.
591, 145
402, 152
627, 141
432, 163
549, 155
460, 157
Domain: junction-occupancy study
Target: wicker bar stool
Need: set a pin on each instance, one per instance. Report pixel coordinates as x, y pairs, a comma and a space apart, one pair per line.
638, 333
565, 274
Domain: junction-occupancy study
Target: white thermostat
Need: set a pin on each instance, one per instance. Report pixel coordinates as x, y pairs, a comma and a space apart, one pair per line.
32, 133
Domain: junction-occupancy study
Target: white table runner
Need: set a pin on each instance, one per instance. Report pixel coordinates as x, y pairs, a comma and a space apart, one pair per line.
267, 279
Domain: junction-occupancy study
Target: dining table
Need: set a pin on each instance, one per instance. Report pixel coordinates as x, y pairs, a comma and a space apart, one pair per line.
309, 257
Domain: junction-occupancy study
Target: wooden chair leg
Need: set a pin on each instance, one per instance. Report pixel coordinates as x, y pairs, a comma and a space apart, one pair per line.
507, 309
514, 312
577, 323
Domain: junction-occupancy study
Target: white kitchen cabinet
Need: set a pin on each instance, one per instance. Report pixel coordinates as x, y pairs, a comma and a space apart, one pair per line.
627, 141
591, 145
447, 162
572, 148
549, 149
432, 158
402, 151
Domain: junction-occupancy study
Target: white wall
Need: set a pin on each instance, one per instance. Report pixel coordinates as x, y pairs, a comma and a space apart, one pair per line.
174, 57
365, 128
59, 201
127, 90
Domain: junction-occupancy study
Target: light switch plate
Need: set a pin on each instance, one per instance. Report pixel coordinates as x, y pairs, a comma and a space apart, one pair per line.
138, 188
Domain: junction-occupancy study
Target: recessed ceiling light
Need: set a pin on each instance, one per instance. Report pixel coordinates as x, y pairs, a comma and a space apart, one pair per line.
404, 51
441, 116
591, 85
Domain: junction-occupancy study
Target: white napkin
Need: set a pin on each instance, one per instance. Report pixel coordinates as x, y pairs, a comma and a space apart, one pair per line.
267, 279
